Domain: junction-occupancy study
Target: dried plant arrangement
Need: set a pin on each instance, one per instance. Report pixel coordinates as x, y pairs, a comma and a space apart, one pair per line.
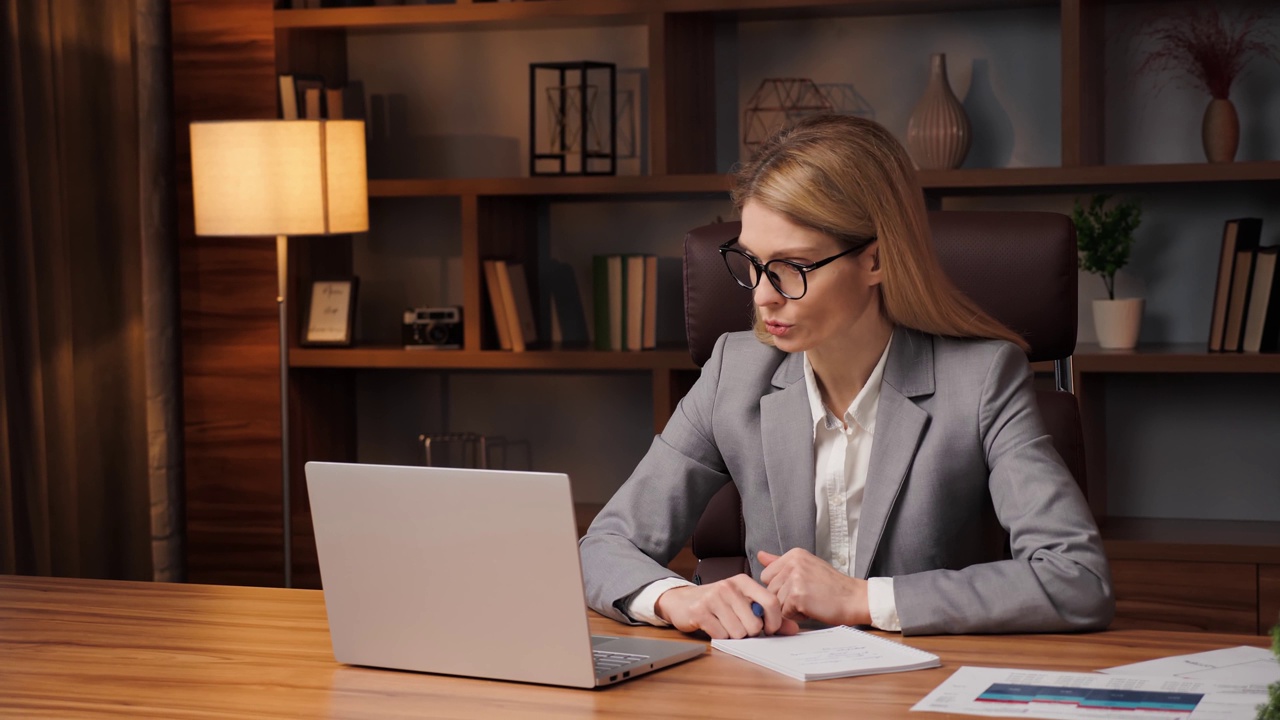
1205, 47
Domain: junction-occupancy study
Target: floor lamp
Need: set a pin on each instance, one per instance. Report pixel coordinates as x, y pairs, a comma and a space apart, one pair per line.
280, 177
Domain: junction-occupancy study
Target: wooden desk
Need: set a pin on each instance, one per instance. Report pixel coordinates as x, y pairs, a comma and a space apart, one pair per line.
73, 648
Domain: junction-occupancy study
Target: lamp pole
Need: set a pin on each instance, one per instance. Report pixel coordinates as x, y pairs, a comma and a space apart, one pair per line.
282, 274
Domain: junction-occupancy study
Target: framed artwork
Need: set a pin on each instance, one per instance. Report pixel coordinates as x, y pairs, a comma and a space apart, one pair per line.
331, 313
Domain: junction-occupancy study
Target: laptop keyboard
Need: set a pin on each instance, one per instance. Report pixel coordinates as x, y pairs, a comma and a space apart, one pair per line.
607, 662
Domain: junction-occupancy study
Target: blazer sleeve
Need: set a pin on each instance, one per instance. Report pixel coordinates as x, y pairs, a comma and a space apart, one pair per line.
1058, 578
655, 511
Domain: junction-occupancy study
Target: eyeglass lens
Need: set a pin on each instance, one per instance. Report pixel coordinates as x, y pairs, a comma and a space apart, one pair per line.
785, 278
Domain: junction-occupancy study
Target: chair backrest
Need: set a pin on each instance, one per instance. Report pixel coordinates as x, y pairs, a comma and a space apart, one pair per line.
1020, 267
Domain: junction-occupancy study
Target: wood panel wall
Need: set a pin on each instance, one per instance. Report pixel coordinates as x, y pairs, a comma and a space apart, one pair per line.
224, 60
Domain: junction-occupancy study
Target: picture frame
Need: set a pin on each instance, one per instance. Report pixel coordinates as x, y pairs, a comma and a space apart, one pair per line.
331, 313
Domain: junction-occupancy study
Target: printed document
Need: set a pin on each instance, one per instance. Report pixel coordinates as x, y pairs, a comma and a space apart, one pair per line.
1000, 692
1251, 667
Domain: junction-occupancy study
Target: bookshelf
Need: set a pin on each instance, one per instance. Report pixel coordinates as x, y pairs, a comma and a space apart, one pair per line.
227, 55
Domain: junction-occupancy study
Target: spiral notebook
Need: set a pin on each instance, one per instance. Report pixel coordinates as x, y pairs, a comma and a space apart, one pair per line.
830, 653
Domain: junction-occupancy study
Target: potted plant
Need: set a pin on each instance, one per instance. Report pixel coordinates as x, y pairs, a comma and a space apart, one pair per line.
1271, 711
1104, 237
1202, 46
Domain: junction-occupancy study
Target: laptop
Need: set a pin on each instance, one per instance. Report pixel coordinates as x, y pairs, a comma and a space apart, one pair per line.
464, 572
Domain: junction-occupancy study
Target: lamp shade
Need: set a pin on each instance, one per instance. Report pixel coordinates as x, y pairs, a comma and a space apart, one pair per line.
279, 177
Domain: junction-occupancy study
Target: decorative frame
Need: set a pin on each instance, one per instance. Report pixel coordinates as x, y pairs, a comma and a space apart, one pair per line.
331, 313
573, 118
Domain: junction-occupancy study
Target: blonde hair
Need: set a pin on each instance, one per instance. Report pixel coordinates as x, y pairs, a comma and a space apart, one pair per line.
851, 179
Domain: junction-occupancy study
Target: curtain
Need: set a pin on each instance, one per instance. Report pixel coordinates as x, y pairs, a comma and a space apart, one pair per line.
90, 416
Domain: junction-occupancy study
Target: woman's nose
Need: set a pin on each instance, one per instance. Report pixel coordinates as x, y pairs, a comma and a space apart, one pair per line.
766, 294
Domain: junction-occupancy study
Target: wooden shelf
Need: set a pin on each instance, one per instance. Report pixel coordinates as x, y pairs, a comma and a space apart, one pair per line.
1189, 358
1229, 541
1088, 359
945, 181
1067, 178
578, 13
396, 358
657, 185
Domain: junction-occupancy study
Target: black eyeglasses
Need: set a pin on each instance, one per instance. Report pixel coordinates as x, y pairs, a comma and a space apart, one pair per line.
787, 277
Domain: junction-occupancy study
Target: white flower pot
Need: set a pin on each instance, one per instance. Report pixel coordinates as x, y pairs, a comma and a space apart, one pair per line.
1117, 322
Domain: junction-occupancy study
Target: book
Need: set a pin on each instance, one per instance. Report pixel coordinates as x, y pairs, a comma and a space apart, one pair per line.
649, 341
1262, 324
288, 98
333, 103
600, 301
312, 109
500, 322
831, 653
310, 96
567, 312
634, 300
509, 307
1238, 234
614, 301
524, 305
1238, 302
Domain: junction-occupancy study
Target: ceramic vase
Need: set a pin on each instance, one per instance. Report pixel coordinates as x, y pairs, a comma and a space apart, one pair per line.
938, 132
1220, 131
1117, 322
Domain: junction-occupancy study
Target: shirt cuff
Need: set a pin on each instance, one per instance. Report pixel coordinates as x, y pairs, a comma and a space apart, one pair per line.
884, 609
641, 607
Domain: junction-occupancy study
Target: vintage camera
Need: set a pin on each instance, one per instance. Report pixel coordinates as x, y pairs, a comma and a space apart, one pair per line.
438, 328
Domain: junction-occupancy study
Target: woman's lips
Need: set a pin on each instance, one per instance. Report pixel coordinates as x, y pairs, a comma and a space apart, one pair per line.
776, 329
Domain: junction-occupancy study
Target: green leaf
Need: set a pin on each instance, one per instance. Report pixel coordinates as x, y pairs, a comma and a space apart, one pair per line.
1104, 236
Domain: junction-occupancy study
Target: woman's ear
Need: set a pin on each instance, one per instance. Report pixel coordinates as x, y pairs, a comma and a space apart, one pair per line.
870, 260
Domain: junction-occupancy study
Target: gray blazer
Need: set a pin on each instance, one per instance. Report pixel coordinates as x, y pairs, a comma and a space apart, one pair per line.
958, 432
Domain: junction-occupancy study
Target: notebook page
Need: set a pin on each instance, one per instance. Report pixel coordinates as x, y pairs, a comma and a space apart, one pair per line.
833, 652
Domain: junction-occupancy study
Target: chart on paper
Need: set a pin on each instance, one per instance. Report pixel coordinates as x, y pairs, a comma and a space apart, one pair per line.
1068, 696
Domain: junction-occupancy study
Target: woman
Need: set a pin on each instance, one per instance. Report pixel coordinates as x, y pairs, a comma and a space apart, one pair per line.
868, 422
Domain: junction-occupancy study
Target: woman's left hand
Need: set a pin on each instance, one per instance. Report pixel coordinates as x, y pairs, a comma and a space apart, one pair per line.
808, 587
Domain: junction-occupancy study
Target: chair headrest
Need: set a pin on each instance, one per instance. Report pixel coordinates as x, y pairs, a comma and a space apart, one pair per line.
1020, 267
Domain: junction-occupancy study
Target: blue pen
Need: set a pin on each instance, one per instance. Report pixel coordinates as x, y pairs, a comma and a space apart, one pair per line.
758, 610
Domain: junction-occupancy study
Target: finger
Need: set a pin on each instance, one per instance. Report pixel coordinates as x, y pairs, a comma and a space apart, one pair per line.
771, 611
733, 618
776, 576
772, 565
788, 627
712, 627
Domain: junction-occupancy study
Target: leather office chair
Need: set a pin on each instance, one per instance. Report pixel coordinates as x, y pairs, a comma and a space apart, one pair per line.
1020, 267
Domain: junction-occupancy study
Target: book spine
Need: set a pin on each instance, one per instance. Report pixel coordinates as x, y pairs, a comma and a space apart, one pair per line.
1269, 342
288, 98
600, 300
495, 302
1238, 307
650, 340
635, 302
617, 302
509, 307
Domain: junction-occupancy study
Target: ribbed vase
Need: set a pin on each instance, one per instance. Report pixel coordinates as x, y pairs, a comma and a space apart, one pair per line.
1220, 131
938, 133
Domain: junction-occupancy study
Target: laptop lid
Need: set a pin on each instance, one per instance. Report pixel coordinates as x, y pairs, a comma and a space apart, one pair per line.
454, 571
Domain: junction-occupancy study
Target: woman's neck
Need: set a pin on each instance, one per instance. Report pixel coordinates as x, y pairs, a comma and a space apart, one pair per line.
842, 366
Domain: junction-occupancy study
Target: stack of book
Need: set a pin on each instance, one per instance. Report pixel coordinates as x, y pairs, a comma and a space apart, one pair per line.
308, 97
1246, 303
626, 301
513, 315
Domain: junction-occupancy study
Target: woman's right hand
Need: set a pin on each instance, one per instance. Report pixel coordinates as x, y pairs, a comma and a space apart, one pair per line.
723, 609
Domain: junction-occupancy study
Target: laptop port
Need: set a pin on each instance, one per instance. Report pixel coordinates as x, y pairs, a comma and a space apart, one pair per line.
626, 674
613, 678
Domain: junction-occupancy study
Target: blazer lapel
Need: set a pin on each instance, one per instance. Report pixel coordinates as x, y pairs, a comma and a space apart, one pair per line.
787, 436
900, 425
